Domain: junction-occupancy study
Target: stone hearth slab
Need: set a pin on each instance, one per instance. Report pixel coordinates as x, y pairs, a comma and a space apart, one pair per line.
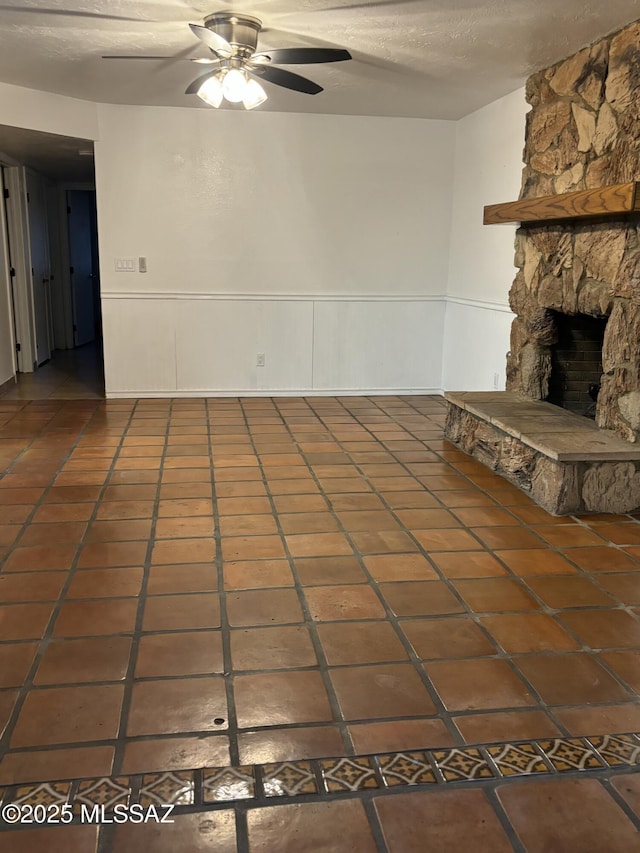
561, 459
555, 432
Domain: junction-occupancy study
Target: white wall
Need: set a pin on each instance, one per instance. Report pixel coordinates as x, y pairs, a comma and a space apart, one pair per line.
476, 341
488, 170
49, 113
321, 241
349, 250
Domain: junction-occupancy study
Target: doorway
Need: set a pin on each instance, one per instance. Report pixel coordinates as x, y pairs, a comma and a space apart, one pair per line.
53, 271
83, 266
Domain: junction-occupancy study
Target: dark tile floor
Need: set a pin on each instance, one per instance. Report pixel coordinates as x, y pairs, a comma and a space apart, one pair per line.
76, 374
198, 583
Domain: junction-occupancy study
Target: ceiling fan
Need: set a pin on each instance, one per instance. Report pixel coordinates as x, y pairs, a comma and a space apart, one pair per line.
232, 40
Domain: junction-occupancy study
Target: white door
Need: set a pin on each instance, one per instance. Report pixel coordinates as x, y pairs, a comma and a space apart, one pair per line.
79, 204
40, 267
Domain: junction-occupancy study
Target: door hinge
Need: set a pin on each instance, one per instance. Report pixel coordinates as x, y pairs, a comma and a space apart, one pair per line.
12, 272
5, 193
68, 209
18, 347
75, 328
71, 270
28, 198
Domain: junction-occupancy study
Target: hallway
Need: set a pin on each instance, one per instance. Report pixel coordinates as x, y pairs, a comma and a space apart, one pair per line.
229, 603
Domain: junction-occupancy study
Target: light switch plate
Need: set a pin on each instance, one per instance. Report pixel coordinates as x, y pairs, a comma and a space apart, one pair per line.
125, 264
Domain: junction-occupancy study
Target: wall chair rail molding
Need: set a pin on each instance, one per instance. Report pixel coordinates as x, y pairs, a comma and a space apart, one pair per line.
272, 297
483, 304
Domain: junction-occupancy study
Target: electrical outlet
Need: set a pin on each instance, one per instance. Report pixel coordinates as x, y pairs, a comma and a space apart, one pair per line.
496, 380
260, 359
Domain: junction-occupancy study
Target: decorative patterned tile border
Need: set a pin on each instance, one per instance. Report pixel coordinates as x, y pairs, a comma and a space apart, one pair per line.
172, 788
289, 779
517, 759
327, 776
462, 765
225, 784
348, 774
617, 749
406, 768
107, 792
570, 754
43, 794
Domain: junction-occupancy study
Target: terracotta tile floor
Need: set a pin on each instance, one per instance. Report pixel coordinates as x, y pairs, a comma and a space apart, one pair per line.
194, 584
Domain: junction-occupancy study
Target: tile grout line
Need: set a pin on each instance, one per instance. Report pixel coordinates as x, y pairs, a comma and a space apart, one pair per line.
129, 679
621, 802
500, 813
322, 665
225, 627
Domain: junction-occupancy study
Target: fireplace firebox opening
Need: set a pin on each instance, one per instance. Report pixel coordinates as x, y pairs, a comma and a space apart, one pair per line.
576, 363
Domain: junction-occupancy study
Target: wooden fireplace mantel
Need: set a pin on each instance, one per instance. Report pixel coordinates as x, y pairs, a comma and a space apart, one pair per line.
614, 200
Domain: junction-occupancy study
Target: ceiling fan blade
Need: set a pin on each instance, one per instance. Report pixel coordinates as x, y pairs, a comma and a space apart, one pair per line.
193, 87
303, 55
213, 41
286, 78
371, 5
137, 57
200, 61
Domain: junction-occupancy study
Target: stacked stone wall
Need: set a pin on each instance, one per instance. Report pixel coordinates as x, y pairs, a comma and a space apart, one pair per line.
583, 132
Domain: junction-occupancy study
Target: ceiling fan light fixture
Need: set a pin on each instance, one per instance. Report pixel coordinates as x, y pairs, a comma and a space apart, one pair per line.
234, 85
232, 40
211, 91
254, 95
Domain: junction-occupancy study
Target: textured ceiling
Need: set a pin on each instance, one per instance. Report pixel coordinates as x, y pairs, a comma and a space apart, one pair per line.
413, 58
52, 155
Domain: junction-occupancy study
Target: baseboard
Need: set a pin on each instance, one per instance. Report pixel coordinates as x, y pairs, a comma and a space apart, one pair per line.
270, 392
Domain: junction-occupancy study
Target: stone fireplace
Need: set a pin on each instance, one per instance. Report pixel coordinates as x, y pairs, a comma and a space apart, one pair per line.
583, 132
576, 297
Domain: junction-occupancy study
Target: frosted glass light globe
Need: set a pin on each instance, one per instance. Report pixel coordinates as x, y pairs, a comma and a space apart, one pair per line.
254, 95
211, 91
234, 85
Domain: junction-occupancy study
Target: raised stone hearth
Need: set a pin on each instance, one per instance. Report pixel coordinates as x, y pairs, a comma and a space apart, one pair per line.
561, 459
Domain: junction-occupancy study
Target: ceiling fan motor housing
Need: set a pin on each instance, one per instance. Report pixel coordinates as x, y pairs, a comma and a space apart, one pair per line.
241, 31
